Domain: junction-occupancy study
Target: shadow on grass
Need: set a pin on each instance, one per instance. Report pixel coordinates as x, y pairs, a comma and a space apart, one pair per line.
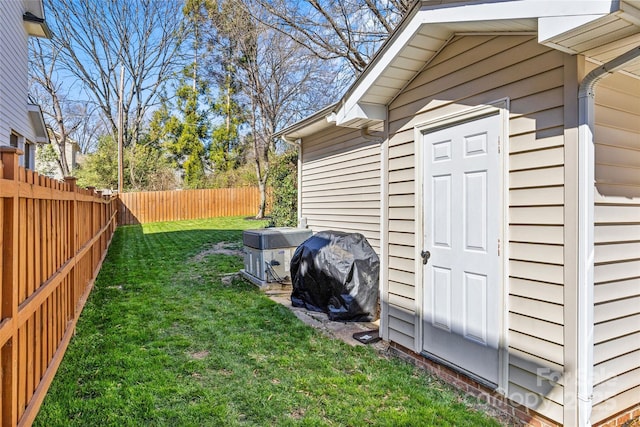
164, 340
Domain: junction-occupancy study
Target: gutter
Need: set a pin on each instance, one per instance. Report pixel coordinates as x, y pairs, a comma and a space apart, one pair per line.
586, 208
304, 122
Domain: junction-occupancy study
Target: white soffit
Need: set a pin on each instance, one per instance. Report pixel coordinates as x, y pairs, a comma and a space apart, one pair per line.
600, 38
37, 123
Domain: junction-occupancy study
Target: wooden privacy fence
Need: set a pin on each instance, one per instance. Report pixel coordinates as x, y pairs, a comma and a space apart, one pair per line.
53, 238
154, 206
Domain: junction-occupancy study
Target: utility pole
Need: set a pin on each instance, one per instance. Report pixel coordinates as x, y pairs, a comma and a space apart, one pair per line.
120, 131
195, 54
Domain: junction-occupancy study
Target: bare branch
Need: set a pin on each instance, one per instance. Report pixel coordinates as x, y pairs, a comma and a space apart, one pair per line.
96, 37
350, 30
376, 12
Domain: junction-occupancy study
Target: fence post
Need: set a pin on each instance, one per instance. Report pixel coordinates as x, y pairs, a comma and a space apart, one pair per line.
72, 241
9, 309
92, 226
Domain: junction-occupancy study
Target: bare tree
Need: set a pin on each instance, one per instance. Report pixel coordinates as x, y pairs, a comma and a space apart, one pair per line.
350, 30
91, 126
94, 38
46, 87
278, 80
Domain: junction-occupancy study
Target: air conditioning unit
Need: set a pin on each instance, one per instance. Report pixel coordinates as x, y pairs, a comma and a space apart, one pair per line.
268, 252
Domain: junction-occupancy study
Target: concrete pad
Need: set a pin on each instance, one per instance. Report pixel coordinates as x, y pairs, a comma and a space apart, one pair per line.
339, 330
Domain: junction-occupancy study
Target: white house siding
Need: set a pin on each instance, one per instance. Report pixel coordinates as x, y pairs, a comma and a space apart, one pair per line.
470, 71
13, 73
617, 251
341, 183
51, 167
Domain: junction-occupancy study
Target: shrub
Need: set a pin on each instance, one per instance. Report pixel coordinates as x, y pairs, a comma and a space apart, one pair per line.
283, 180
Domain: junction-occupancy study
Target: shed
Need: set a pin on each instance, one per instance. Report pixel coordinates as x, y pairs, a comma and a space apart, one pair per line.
490, 152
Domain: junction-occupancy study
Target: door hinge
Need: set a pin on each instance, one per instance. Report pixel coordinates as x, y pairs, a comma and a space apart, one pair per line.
498, 247
499, 148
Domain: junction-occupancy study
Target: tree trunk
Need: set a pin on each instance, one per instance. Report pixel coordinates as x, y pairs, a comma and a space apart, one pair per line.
262, 186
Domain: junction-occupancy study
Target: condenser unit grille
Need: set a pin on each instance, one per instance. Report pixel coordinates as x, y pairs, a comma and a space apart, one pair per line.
274, 238
268, 252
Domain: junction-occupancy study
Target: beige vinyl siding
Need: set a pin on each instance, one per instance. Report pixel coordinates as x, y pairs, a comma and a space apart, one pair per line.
617, 250
341, 183
471, 71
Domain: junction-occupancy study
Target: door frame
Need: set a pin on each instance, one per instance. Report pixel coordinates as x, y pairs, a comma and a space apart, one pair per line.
501, 107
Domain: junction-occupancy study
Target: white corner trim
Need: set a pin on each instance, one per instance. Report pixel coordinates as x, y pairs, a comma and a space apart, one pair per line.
384, 232
586, 178
299, 176
503, 376
418, 132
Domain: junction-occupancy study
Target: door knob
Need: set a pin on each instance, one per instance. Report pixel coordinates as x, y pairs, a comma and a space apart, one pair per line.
425, 256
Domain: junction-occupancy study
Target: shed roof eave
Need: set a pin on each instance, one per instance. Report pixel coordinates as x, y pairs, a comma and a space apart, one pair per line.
445, 20
574, 34
308, 125
36, 26
37, 123
359, 108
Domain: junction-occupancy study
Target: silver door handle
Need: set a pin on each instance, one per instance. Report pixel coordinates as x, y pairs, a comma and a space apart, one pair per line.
425, 256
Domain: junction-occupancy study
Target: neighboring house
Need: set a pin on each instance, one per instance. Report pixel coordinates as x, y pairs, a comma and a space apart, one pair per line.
21, 122
51, 167
476, 136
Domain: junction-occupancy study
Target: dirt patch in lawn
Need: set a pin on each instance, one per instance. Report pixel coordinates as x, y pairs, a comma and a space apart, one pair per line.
199, 355
221, 248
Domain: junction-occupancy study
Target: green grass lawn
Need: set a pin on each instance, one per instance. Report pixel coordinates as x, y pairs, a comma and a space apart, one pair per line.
163, 341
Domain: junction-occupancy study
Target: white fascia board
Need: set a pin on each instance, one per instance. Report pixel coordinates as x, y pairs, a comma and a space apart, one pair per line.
518, 9
438, 18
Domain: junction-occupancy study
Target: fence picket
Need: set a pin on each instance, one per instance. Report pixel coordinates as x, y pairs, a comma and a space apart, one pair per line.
156, 206
53, 239
45, 224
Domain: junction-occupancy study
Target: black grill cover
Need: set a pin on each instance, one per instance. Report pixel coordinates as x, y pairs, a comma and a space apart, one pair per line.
336, 273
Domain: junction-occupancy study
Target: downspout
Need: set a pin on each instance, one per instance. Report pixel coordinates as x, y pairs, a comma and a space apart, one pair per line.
586, 208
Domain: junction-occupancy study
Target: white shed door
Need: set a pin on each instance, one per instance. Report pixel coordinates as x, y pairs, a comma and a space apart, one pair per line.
462, 220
